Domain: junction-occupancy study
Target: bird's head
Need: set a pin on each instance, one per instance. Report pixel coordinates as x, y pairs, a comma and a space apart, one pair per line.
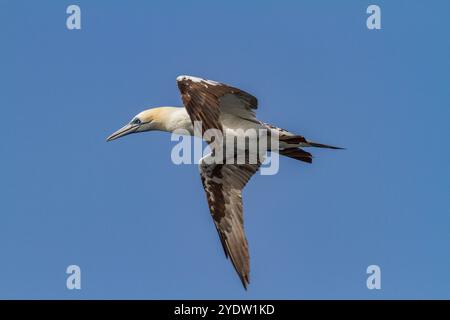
147, 120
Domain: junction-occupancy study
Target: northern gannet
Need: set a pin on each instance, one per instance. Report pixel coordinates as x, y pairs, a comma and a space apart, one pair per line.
221, 107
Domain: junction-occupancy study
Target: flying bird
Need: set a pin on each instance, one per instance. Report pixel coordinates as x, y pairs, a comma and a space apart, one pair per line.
226, 109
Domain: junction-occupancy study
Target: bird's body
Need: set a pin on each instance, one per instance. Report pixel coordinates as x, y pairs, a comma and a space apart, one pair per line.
176, 119
229, 113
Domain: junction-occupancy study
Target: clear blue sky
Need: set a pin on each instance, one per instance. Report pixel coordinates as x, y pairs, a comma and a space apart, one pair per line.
139, 226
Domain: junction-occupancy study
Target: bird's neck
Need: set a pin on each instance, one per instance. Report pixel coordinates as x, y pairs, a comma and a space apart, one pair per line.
174, 119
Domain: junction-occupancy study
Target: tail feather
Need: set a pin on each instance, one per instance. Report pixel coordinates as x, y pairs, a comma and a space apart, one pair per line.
302, 142
320, 145
297, 153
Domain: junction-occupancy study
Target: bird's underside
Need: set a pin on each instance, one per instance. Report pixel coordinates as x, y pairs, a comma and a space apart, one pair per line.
208, 101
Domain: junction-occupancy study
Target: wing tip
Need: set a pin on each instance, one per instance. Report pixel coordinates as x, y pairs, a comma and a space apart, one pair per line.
245, 281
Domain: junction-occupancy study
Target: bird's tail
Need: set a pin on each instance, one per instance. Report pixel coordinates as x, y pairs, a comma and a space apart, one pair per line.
320, 145
302, 142
297, 154
290, 147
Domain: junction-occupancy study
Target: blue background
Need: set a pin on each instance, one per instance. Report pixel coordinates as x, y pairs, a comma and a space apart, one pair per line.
139, 226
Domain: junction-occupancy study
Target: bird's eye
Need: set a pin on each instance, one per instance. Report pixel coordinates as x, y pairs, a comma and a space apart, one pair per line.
136, 121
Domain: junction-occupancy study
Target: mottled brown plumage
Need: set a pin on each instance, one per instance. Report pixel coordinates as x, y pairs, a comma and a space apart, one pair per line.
231, 111
223, 184
204, 99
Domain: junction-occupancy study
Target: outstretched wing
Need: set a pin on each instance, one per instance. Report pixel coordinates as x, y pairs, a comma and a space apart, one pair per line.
223, 184
205, 100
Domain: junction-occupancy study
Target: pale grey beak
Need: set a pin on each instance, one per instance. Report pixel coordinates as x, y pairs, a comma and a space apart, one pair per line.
127, 129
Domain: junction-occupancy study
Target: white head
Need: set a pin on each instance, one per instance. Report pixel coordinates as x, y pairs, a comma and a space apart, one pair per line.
147, 120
